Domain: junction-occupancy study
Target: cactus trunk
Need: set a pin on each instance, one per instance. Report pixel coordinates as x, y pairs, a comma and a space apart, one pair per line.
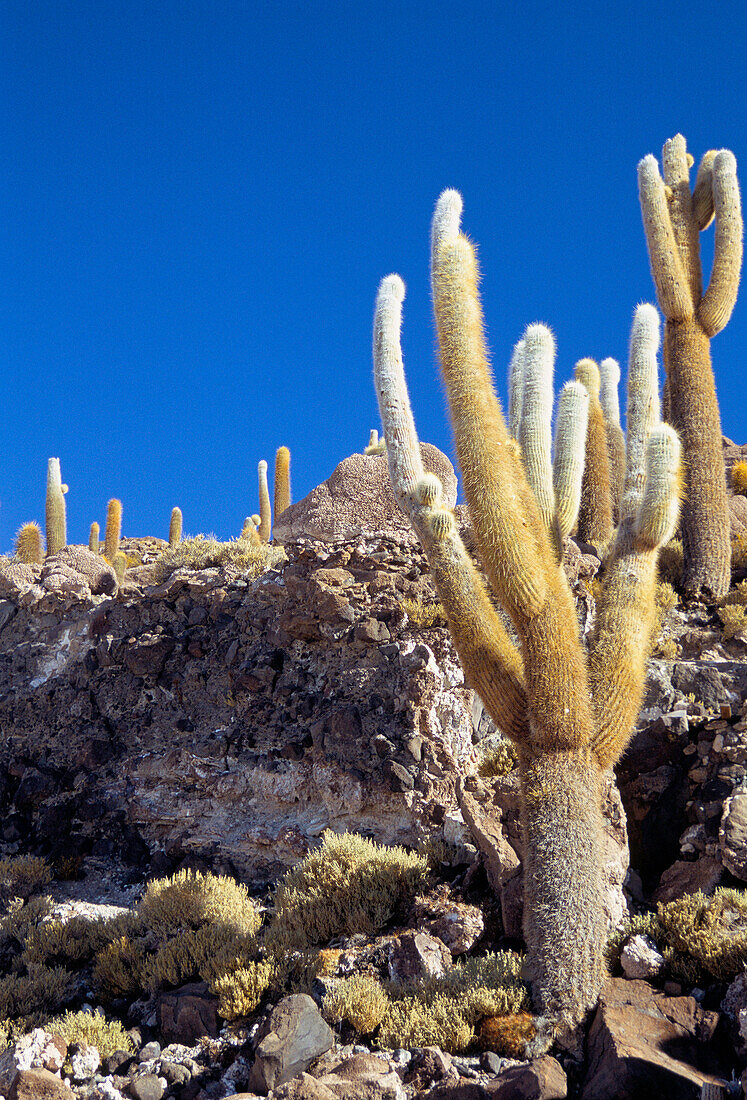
694, 413
564, 923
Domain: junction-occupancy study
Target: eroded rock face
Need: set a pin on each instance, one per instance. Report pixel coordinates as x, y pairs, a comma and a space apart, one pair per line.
357, 499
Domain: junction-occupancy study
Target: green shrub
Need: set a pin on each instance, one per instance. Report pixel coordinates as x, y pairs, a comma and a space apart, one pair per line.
190, 899
75, 940
240, 991
22, 876
94, 1030
349, 884
201, 553
410, 1022
360, 1000
118, 968
712, 931
40, 989
496, 755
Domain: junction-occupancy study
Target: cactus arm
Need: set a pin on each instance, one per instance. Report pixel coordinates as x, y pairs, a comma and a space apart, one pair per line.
718, 300
595, 510
491, 662
175, 527
703, 208
535, 430
609, 371
265, 512
93, 538
676, 164
666, 265
648, 516
516, 389
570, 450
514, 544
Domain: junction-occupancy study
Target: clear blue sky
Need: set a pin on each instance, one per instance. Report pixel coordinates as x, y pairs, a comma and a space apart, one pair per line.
200, 199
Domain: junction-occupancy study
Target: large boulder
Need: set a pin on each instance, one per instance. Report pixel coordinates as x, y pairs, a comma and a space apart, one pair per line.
293, 1035
357, 499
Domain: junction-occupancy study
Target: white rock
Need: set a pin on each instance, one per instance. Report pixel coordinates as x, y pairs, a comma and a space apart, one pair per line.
85, 1062
640, 959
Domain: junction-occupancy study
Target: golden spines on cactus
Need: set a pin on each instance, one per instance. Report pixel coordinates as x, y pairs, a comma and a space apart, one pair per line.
595, 510
673, 218
175, 527
739, 478
93, 538
28, 547
282, 494
265, 509
56, 518
609, 373
113, 529
540, 695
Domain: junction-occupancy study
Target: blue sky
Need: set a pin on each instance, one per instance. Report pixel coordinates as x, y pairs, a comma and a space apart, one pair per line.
200, 199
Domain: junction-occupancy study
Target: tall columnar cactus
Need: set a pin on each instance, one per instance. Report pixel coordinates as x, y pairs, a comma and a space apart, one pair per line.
595, 512
265, 511
570, 716
113, 530
56, 518
175, 527
29, 544
93, 538
375, 446
556, 484
609, 373
282, 495
673, 217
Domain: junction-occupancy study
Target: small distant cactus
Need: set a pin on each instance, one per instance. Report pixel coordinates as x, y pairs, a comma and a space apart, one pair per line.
175, 527
265, 511
56, 519
119, 565
113, 529
29, 544
739, 478
93, 538
282, 495
375, 446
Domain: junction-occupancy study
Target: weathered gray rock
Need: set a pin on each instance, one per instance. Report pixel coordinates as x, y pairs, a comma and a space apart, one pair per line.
293, 1035
643, 1043
416, 955
639, 958
357, 499
733, 834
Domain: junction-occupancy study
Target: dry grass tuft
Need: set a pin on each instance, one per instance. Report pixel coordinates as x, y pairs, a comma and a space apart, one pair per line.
423, 615
507, 1035
203, 552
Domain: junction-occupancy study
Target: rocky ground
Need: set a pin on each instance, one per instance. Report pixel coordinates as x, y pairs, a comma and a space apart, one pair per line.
223, 723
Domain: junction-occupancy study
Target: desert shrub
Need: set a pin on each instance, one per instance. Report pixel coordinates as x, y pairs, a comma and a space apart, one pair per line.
712, 931
360, 1000
204, 953
94, 1030
22, 876
76, 940
507, 1035
739, 478
349, 884
40, 989
327, 962
201, 553
733, 620
738, 553
667, 649
736, 596
18, 923
118, 967
190, 899
496, 755
411, 1022
240, 991
672, 563
423, 614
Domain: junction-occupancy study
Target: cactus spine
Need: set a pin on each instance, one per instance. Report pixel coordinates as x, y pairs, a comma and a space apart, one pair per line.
282, 494
29, 544
265, 512
595, 511
93, 538
56, 517
540, 694
113, 529
673, 217
609, 372
175, 527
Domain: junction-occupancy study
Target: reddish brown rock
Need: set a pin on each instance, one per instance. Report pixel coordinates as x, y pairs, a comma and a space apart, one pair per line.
644, 1044
39, 1084
687, 878
187, 1014
541, 1079
416, 955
